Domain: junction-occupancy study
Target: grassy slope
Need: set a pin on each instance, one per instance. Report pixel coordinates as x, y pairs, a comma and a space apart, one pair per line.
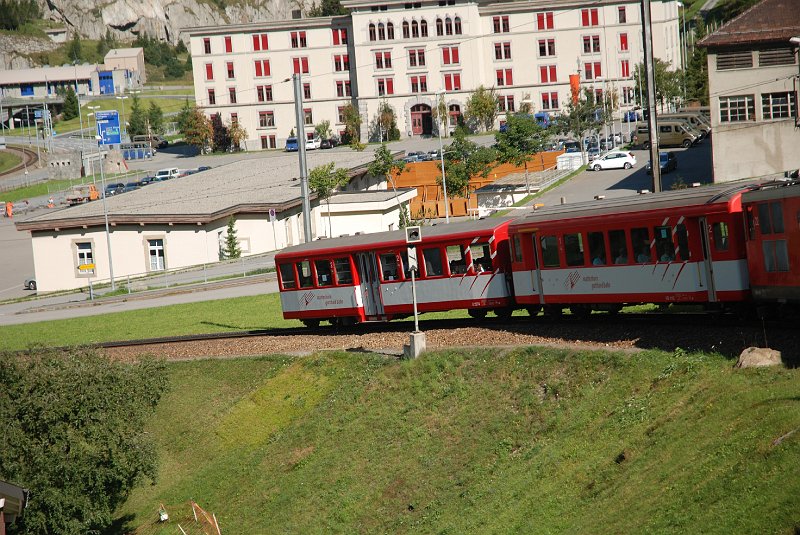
529, 441
8, 160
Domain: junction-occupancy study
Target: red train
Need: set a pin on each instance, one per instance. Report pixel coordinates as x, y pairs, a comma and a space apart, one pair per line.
724, 246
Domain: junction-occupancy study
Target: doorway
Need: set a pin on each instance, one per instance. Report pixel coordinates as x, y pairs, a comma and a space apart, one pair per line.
421, 120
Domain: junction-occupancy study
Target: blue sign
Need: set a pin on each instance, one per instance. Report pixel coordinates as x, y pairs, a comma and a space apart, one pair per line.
108, 127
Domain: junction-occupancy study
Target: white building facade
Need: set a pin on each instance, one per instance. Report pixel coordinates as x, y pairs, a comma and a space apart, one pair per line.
403, 53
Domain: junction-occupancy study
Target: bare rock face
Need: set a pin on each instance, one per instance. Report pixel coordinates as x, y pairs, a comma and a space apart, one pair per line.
162, 19
754, 357
15, 48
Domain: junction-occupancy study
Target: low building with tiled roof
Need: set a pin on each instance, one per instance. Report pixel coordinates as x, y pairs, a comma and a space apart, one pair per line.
753, 85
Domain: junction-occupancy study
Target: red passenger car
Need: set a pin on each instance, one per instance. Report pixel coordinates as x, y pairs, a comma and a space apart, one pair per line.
772, 217
684, 246
366, 277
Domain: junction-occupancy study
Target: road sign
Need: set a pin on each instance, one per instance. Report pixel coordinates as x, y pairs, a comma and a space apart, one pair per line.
86, 267
108, 127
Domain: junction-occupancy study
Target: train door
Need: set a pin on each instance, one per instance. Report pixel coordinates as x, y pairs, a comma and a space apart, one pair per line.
707, 261
537, 272
370, 285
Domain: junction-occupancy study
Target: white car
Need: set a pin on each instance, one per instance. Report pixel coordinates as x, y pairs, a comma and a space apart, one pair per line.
614, 160
313, 143
166, 174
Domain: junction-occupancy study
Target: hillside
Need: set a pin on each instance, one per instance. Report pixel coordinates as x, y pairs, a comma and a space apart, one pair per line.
489, 441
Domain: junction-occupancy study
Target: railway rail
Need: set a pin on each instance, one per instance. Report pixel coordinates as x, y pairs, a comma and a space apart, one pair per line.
28, 156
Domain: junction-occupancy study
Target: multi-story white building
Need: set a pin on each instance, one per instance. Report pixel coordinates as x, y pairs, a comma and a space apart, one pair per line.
403, 53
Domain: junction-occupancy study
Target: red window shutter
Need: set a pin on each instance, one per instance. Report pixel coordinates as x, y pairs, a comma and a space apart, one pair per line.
585, 17
455, 54
335, 37
550, 20
540, 21
597, 70
509, 77
256, 43
264, 42
304, 61
553, 76
543, 74
595, 20
296, 65
448, 82
258, 68
344, 35
228, 44
390, 86
456, 82
499, 76
266, 67
209, 71
623, 41
446, 56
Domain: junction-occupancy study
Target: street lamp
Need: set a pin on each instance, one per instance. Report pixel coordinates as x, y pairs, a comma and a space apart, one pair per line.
441, 95
105, 210
123, 98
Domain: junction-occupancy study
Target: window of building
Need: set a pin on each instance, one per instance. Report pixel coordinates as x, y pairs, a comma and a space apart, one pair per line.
228, 44
212, 97
264, 142
85, 257
385, 86
505, 103
26, 90
287, 275
419, 84
423, 28
416, 57
339, 36
548, 74
592, 70
457, 25
381, 32
439, 27
341, 63
260, 42
574, 249
544, 21
740, 59
308, 118
550, 101
389, 31
209, 71
504, 77
266, 119
450, 55
262, 68
372, 34
383, 60
448, 26
155, 250
502, 50
229, 70
298, 39
452, 81
304, 274
300, 65
501, 24
307, 91
547, 48
414, 29
778, 105
406, 30
622, 16
234, 118
589, 17
628, 95
433, 262
232, 95
344, 273
623, 42
343, 88
340, 119
737, 108
625, 68
549, 246
264, 93
207, 45
591, 44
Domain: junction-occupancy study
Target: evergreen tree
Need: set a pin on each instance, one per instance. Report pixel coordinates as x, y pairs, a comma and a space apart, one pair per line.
71, 108
137, 118
75, 49
327, 8
156, 118
231, 248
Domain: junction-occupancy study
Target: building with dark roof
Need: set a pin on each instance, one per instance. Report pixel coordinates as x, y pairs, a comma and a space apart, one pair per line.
753, 85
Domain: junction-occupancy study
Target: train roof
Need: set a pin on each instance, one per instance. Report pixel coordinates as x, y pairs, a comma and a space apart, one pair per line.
780, 189
719, 194
394, 238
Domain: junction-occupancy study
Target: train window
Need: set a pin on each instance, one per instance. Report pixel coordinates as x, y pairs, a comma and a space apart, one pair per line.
456, 259
640, 238
389, 266
287, 276
619, 247
481, 257
776, 255
683, 242
550, 251
720, 233
344, 275
304, 272
573, 247
776, 210
597, 248
764, 219
665, 249
324, 275
433, 262
516, 246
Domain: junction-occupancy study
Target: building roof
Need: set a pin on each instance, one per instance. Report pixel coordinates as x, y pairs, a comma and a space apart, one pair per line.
770, 21
275, 25
49, 74
124, 53
248, 185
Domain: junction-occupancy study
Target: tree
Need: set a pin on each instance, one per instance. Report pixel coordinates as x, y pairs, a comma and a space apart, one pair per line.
71, 108
173, 69
668, 82
183, 115
220, 137
441, 115
155, 118
74, 48
231, 249
578, 119
323, 129
385, 123
522, 138
137, 118
74, 433
352, 124
197, 131
482, 108
238, 134
525, 106
324, 180
464, 160
697, 68
386, 166
327, 8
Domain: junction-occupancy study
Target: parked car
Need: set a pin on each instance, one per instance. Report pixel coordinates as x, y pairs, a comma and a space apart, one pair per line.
572, 146
166, 174
203, 168
153, 139
313, 143
593, 153
113, 189
667, 160
30, 283
412, 158
291, 144
130, 186
326, 143
435, 154
615, 160
146, 180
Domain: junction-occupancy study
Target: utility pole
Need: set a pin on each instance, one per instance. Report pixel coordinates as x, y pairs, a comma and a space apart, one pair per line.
301, 153
652, 122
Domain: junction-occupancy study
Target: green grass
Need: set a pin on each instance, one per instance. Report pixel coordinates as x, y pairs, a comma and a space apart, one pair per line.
166, 105
487, 441
8, 160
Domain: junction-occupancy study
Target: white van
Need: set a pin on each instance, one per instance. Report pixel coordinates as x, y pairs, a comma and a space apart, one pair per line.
166, 174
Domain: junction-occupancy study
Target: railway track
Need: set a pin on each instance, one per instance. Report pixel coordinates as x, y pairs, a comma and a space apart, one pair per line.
28, 156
